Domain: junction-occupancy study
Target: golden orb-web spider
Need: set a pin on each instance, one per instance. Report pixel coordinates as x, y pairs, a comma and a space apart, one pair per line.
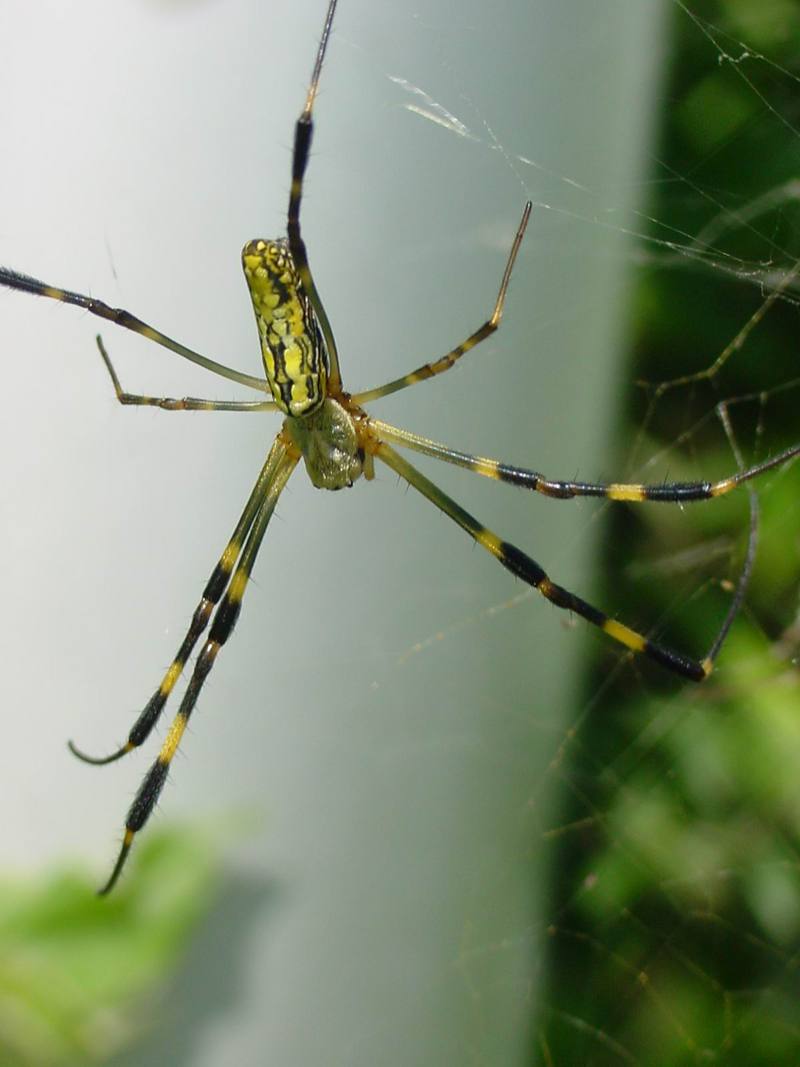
339, 442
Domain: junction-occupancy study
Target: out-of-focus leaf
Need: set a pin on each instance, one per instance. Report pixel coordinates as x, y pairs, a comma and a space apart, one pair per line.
74, 968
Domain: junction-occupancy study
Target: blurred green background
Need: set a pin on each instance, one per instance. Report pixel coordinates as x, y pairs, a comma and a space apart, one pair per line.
676, 908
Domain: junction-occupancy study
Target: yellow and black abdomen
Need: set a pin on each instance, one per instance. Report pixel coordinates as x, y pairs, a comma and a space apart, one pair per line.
295, 358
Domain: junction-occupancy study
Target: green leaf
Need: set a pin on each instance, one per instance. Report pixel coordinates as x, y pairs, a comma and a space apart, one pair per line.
75, 968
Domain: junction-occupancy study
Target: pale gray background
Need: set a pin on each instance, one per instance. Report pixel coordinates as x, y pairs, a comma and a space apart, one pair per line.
381, 912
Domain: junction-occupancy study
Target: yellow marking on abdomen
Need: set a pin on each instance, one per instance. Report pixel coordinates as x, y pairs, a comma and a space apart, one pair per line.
293, 354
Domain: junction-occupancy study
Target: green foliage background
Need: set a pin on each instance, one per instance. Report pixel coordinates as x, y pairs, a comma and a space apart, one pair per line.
77, 975
677, 902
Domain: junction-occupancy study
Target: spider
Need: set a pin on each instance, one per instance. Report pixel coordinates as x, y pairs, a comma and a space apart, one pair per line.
329, 429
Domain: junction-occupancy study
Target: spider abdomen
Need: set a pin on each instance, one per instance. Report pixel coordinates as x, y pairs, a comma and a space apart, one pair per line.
294, 354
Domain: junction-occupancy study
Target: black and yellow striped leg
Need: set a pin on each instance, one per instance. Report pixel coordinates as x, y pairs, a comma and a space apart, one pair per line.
221, 629
24, 283
661, 492
186, 403
430, 370
526, 568
214, 589
303, 133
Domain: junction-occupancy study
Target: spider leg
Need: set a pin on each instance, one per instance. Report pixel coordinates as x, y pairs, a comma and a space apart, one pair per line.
186, 403
303, 133
429, 370
526, 568
661, 492
24, 283
221, 629
214, 589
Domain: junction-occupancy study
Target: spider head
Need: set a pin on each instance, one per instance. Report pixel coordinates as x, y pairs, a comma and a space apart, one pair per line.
294, 354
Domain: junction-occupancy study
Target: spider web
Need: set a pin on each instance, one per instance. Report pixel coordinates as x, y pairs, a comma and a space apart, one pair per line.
614, 853
673, 917
679, 901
